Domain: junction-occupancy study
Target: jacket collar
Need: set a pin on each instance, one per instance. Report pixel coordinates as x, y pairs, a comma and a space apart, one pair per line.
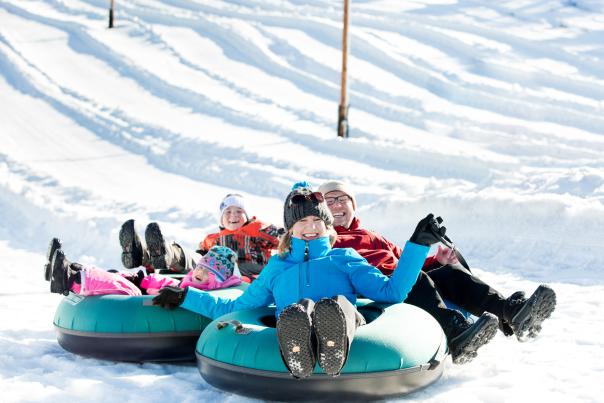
228, 231
354, 225
316, 248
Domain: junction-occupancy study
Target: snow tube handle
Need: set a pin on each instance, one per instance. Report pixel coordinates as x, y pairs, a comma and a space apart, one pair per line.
239, 328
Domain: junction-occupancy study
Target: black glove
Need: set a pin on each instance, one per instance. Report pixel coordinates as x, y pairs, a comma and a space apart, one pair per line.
170, 297
429, 231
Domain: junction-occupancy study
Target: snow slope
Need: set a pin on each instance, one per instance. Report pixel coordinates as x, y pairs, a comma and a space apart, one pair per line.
490, 115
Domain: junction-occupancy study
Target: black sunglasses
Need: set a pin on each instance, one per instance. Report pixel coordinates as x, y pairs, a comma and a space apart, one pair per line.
301, 198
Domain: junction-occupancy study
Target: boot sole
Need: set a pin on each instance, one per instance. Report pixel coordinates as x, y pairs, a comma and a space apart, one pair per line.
156, 246
482, 332
330, 327
294, 335
130, 258
55, 243
58, 279
527, 322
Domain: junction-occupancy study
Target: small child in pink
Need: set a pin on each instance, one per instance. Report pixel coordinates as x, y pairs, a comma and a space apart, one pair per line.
216, 269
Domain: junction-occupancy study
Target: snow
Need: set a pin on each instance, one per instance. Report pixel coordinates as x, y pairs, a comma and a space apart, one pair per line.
487, 113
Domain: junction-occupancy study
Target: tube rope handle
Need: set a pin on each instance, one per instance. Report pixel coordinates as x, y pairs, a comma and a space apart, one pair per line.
239, 328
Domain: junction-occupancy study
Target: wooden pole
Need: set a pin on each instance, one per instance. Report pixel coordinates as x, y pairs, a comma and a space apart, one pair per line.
111, 14
343, 107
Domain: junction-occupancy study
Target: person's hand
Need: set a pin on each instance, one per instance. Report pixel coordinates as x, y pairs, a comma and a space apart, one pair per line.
429, 231
445, 256
170, 297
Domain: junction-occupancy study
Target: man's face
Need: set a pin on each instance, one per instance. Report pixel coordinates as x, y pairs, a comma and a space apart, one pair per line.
341, 208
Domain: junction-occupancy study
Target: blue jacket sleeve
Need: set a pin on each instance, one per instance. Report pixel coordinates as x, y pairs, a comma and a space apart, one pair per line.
257, 295
371, 283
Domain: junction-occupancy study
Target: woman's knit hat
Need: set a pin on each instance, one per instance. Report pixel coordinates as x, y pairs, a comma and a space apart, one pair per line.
221, 261
303, 202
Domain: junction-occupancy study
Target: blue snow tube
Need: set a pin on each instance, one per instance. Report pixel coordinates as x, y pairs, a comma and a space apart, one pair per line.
128, 328
399, 350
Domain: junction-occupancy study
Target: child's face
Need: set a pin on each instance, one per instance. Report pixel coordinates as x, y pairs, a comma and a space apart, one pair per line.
200, 275
308, 228
233, 218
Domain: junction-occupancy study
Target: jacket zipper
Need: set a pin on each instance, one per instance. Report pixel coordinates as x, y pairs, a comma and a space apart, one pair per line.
307, 264
301, 274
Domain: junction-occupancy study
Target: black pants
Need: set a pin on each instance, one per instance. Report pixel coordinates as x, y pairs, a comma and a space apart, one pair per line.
458, 285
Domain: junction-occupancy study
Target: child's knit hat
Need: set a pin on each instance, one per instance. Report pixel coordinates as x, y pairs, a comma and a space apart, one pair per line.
232, 199
303, 202
221, 261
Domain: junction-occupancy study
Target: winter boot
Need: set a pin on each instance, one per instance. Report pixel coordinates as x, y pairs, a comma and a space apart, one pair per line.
164, 257
332, 340
134, 253
64, 273
55, 243
525, 316
465, 338
294, 334
158, 251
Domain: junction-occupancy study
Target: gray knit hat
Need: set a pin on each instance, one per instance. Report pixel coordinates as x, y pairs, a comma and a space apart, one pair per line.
303, 202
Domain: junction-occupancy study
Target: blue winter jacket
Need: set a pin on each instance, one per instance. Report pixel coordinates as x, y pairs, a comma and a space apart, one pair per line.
312, 269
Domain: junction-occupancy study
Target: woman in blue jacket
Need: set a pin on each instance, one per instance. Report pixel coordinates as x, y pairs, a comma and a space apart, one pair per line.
314, 287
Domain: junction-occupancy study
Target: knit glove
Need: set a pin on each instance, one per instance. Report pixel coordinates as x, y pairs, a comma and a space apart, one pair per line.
170, 297
429, 231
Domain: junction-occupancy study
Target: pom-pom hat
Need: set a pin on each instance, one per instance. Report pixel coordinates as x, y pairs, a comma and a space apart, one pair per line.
303, 202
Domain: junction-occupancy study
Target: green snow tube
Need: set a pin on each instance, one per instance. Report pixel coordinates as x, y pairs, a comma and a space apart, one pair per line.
127, 328
400, 350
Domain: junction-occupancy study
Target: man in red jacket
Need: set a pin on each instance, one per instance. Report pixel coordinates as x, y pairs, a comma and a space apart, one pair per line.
443, 276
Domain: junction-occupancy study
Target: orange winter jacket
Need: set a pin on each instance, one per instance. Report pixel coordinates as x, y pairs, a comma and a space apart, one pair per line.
254, 243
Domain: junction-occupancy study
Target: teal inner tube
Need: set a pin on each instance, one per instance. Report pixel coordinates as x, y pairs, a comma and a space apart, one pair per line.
400, 349
128, 328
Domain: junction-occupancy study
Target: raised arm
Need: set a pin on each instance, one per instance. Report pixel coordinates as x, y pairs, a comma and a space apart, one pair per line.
374, 285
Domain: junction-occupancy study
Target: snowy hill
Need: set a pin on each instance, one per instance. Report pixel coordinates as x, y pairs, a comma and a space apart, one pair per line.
491, 115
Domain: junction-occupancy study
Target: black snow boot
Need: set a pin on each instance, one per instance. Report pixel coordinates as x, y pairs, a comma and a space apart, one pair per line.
55, 243
134, 253
331, 331
525, 316
64, 273
466, 338
294, 334
164, 257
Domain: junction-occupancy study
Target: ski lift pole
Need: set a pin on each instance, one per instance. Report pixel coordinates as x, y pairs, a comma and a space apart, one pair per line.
343, 107
110, 13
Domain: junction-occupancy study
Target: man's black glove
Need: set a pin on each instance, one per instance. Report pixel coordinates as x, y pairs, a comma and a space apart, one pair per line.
170, 297
429, 231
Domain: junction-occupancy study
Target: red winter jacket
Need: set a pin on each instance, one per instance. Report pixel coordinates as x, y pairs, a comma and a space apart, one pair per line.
378, 251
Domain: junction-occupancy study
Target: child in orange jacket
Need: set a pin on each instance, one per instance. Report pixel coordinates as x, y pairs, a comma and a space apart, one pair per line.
253, 240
